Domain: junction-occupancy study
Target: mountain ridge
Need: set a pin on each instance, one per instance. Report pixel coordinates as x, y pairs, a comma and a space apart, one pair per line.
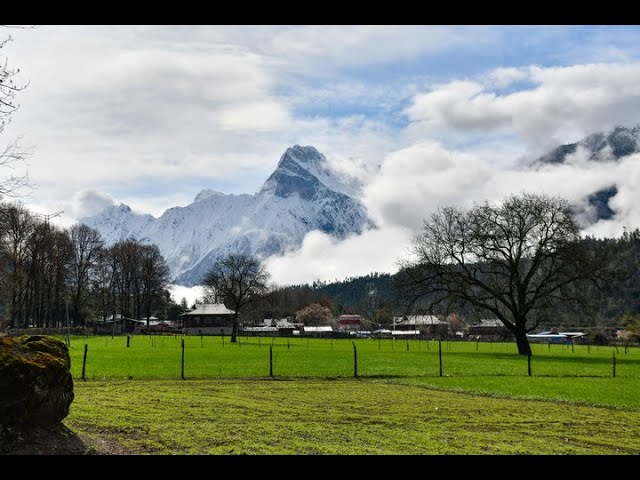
302, 194
608, 146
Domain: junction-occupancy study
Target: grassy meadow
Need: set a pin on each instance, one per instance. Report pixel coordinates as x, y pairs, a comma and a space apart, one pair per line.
559, 372
336, 417
484, 402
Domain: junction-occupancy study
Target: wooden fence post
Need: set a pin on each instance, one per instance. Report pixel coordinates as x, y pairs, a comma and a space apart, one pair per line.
271, 360
84, 360
440, 355
614, 365
182, 361
128, 340
355, 360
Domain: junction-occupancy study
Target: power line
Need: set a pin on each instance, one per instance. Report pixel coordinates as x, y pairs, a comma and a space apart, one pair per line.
49, 216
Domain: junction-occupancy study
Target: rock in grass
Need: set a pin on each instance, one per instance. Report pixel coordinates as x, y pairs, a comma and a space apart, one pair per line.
36, 387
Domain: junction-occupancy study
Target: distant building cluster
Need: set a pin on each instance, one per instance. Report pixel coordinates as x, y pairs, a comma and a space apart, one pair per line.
217, 319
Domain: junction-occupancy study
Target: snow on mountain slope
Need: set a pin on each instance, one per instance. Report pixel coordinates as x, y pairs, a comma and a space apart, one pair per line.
302, 194
598, 147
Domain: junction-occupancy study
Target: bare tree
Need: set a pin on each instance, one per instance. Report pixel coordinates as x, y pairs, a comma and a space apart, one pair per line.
87, 243
154, 277
104, 282
519, 261
17, 226
11, 155
238, 279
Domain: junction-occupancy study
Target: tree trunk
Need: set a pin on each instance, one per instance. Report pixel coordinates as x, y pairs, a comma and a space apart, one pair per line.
522, 341
234, 331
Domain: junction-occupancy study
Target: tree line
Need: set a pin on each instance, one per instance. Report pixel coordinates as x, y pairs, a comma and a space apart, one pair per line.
615, 300
50, 274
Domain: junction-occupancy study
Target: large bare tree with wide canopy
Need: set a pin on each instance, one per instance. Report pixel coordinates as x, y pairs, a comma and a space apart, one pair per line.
518, 261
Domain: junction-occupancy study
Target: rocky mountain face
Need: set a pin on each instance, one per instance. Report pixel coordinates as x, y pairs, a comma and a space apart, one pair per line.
599, 147
619, 142
301, 195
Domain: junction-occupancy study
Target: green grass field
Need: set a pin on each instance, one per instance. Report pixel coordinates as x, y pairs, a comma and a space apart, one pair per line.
340, 416
484, 403
581, 374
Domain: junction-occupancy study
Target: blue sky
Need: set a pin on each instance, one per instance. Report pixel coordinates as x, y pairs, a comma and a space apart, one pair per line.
151, 115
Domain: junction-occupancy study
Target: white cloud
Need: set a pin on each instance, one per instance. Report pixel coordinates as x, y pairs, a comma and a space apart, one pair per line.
178, 292
322, 257
89, 202
626, 175
562, 105
415, 181
504, 76
325, 49
261, 116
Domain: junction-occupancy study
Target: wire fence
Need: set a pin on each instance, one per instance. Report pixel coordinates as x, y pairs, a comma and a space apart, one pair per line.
176, 356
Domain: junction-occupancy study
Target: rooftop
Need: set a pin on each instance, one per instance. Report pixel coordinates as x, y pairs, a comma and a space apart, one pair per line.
210, 309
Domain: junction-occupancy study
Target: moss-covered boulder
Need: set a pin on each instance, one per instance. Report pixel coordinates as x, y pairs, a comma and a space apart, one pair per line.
36, 387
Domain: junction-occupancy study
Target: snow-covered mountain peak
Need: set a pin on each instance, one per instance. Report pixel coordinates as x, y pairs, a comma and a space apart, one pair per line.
207, 193
303, 194
602, 146
303, 171
122, 208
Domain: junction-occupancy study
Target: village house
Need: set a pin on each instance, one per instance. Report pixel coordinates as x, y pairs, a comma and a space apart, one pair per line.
208, 319
428, 325
488, 328
118, 325
350, 322
317, 331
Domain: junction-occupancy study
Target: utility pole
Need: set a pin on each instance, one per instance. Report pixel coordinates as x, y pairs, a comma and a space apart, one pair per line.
49, 216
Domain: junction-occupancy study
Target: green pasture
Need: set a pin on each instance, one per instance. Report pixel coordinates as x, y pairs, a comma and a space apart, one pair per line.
578, 374
345, 416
